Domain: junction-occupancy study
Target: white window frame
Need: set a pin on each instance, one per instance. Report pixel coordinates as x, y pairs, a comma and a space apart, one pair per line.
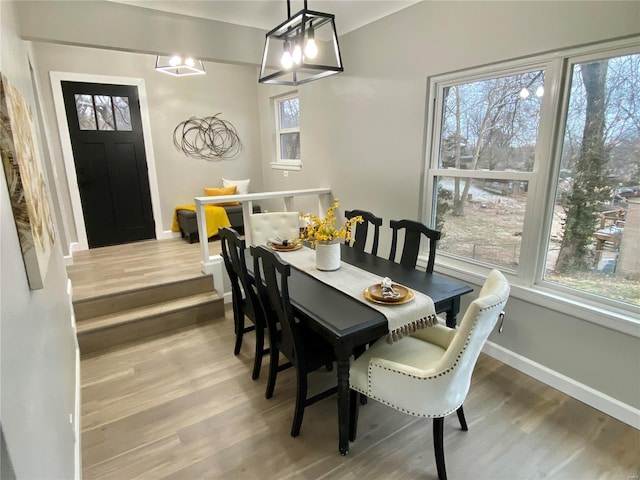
528, 282
285, 163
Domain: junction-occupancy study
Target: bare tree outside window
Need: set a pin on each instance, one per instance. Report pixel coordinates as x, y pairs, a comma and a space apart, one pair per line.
487, 126
288, 128
483, 156
102, 112
122, 113
85, 112
600, 179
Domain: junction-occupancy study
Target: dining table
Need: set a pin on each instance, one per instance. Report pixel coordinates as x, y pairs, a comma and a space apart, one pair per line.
348, 323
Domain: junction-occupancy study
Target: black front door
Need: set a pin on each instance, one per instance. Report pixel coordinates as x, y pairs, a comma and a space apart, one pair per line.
108, 150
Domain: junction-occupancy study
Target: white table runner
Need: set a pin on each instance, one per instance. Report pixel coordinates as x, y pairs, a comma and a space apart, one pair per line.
403, 319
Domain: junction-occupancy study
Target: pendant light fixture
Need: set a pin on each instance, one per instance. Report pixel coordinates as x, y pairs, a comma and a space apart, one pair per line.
179, 66
301, 49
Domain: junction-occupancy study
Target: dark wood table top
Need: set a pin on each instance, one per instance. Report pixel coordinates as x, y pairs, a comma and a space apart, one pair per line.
338, 317
440, 289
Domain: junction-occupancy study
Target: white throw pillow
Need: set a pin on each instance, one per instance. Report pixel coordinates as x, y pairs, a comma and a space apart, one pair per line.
243, 185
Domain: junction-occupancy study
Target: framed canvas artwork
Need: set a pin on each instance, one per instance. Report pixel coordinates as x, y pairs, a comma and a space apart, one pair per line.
25, 182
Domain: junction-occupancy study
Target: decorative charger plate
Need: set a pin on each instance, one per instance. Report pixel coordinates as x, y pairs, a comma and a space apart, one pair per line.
374, 294
284, 248
396, 301
375, 291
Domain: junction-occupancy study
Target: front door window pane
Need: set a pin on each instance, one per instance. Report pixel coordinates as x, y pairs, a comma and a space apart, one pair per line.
104, 112
85, 112
122, 113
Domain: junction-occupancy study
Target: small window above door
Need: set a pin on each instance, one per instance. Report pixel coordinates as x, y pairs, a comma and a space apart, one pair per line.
103, 112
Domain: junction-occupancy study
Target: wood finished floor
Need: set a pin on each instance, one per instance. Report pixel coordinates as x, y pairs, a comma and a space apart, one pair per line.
101, 271
182, 406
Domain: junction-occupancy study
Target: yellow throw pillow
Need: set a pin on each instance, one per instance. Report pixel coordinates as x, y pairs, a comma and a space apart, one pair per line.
216, 192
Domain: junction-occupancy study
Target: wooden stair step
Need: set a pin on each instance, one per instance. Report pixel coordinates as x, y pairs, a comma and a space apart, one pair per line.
130, 299
105, 331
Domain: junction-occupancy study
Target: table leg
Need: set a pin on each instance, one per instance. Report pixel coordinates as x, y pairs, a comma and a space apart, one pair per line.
452, 313
343, 404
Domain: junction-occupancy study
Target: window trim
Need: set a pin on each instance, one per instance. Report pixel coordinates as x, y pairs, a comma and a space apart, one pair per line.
280, 163
528, 283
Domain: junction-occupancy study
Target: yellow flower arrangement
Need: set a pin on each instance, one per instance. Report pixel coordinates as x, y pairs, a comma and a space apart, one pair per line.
323, 230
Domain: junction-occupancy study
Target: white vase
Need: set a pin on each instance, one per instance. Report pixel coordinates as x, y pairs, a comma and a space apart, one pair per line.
328, 256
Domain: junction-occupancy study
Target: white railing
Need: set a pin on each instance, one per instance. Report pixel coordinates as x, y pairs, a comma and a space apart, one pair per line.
213, 264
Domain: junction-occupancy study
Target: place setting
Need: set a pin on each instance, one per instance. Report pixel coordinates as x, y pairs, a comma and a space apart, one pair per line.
282, 245
388, 293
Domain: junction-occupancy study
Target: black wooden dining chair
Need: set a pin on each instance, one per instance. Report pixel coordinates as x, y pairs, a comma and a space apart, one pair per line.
304, 349
362, 229
413, 232
244, 305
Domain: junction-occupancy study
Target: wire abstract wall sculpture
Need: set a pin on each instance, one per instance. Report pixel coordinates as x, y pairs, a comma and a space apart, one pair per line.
208, 138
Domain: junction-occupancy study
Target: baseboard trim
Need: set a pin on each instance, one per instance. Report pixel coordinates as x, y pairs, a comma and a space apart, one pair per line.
594, 398
167, 234
68, 259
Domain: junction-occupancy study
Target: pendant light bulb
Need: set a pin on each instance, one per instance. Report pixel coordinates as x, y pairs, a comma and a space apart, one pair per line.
311, 49
297, 50
286, 61
175, 61
190, 62
524, 93
540, 91
297, 54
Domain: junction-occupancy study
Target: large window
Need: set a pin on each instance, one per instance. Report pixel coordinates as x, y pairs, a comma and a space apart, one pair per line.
287, 111
594, 242
534, 168
486, 151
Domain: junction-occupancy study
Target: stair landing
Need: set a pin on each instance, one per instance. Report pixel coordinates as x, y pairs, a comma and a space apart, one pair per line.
127, 292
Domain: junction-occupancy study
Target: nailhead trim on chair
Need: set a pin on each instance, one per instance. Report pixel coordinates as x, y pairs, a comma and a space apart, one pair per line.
440, 374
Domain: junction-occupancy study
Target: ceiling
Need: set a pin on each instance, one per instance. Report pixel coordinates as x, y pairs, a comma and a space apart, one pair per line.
267, 14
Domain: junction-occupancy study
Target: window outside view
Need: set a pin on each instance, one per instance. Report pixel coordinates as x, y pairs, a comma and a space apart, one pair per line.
488, 126
289, 128
96, 112
491, 127
595, 245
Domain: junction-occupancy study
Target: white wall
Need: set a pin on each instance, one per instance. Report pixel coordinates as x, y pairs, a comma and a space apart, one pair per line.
363, 134
38, 348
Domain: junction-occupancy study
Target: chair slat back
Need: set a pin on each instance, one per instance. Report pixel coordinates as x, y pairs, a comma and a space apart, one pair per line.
272, 279
413, 233
226, 238
233, 253
362, 229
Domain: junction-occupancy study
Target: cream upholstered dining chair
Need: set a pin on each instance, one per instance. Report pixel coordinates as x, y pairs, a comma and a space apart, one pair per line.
264, 226
429, 373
